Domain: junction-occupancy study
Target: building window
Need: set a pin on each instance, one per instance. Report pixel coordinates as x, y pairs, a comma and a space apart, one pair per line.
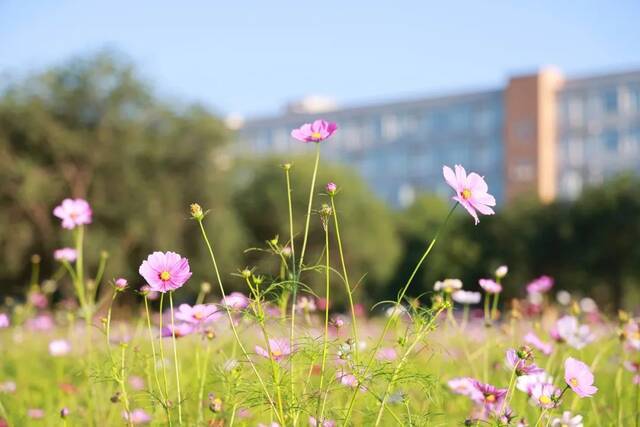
610, 101
610, 140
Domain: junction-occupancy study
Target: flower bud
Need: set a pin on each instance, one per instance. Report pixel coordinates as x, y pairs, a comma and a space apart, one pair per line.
196, 212
205, 287
64, 412
331, 188
286, 166
35, 259
502, 271
120, 284
246, 273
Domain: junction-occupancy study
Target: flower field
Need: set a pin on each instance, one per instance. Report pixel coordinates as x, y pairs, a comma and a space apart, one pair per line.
279, 354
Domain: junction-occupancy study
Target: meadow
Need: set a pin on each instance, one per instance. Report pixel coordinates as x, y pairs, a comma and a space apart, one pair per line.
279, 354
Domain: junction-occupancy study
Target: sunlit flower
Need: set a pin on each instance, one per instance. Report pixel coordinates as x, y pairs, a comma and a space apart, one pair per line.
563, 298
4, 321
490, 286
65, 254
317, 131
42, 323
525, 383
541, 285
567, 329
588, 305
567, 420
471, 191
59, 347
280, 349
235, 301
532, 339
38, 299
466, 297
502, 271
198, 314
137, 417
579, 377
631, 335
73, 212
447, 285
545, 395
165, 271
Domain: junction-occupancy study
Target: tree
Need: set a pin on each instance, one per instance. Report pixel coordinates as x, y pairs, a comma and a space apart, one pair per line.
91, 128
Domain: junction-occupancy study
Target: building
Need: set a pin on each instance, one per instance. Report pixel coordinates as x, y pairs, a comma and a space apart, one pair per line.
542, 134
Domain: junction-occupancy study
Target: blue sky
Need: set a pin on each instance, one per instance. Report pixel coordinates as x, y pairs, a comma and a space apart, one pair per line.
253, 56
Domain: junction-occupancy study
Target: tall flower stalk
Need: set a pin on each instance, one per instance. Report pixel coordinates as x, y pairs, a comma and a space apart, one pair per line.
175, 358
398, 301
198, 215
325, 213
331, 190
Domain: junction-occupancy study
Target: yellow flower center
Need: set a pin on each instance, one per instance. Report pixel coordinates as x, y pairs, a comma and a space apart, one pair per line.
490, 398
198, 316
573, 382
466, 194
276, 353
545, 400
316, 135
165, 275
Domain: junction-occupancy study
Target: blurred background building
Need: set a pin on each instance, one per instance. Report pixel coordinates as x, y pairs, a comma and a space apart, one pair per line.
542, 134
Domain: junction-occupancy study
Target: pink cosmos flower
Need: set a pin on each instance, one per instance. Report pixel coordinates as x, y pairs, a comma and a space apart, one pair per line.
520, 362
166, 271
198, 314
65, 254
137, 417
567, 329
471, 191
38, 300
541, 285
631, 335
331, 188
73, 212
387, 354
532, 339
325, 423
317, 131
526, 382
42, 323
567, 420
8, 387
280, 349
488, 395
35, 413
349, 380
59, 348
235, 301
490, 286
136, 382
579, 377
120, 283
465, 387
4, 321
180, 330
545, 396
466, 297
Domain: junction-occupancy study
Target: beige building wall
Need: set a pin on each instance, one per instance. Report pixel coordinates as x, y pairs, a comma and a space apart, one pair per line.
530, 136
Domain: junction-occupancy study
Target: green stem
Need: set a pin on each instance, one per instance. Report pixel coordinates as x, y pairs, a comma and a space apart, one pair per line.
419, 335
123, 388
164, 369
153, 353
295, 279
398, 301
311, 191
233, 327
354, 326
175, 358
325, 340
